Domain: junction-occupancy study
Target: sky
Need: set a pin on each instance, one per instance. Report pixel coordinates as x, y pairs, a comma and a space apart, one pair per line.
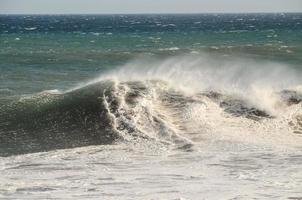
145, 6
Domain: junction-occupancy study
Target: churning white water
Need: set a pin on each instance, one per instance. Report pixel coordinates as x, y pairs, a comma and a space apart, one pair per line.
187, 128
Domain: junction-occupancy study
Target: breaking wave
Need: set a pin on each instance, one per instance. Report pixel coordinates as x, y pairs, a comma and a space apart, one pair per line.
178, 102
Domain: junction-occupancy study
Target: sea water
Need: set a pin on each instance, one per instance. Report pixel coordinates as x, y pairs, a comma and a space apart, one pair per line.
203, 106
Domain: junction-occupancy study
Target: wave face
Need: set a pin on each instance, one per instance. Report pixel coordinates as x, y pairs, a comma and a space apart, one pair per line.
177, 102
51, 120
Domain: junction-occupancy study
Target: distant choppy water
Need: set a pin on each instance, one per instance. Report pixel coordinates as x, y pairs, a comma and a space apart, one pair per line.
59, 51
151, 106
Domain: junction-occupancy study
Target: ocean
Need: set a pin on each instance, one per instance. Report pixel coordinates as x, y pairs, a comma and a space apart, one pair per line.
199, 106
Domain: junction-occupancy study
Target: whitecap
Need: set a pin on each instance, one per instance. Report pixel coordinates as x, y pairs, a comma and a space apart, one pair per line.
96, 34
214, 47
169, 49
30, 28
284, 47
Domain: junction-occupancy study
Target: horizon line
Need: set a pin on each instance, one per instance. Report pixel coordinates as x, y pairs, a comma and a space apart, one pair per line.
161, 13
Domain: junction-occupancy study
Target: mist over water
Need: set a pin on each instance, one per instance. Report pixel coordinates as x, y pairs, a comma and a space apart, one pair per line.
253, 80
151, 106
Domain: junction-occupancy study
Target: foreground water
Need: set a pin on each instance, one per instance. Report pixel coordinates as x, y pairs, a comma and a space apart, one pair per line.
151, 107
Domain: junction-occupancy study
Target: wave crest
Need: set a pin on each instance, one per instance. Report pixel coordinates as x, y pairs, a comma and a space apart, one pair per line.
108, 111
178, 101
